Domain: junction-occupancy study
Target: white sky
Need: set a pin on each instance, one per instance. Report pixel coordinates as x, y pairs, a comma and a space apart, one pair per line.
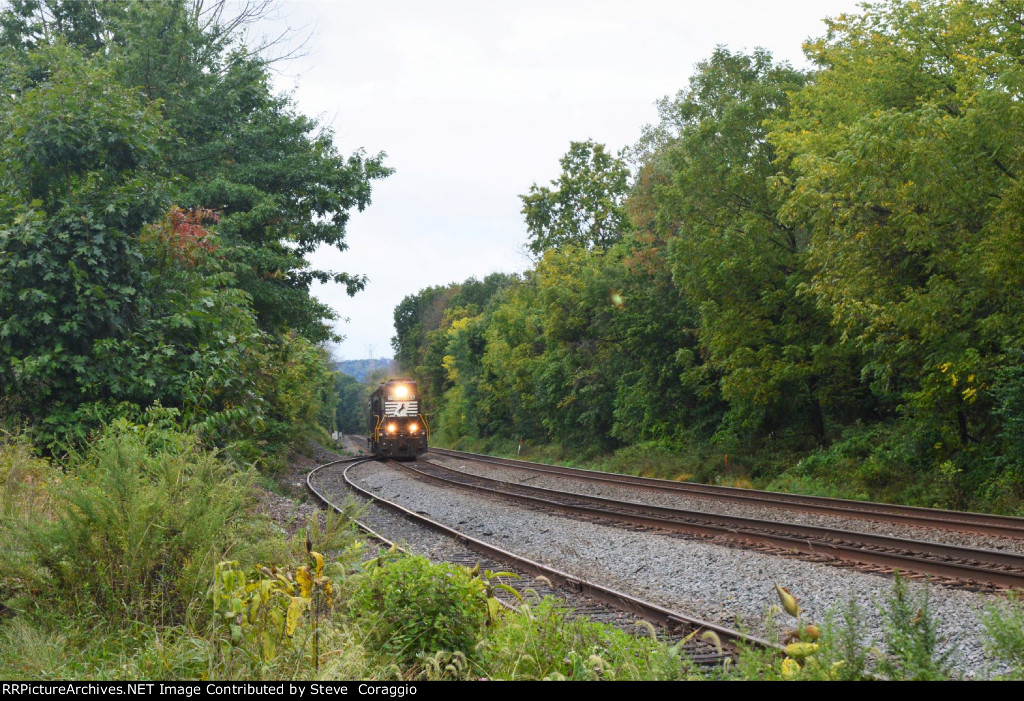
474, 101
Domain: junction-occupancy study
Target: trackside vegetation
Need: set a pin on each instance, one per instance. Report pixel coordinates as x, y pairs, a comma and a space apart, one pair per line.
158, 203
99, 579
806, 280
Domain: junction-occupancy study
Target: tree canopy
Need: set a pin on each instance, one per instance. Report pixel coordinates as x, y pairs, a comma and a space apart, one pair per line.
158, 206
585, 208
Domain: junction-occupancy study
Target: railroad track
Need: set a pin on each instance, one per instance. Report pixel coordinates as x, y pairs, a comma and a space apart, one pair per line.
596, 599
971, 566
961, 521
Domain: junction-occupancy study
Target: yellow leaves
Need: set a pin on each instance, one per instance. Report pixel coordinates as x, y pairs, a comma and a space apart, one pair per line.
801, 640
800, 650
789, 602
296, 608
272, 605
327, 588
318, 561
268, 646
790, 668
305, 580
809, 631
970, 393
448, 363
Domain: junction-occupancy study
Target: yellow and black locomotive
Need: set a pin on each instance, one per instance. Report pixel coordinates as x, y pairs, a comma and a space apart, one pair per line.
397, 429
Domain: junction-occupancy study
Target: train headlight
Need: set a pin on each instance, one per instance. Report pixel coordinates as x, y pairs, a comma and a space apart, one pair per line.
392, 428
413, 428
401, 391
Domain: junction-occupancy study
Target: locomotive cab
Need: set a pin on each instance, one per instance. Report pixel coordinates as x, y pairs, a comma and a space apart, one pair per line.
397, 429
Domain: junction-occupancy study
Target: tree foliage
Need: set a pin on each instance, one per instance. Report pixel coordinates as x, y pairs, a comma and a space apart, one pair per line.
158, 204
824, 262
907, 150
586, 206
734, 260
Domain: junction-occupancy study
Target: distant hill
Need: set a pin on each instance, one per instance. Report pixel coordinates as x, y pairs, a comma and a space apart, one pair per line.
361, 369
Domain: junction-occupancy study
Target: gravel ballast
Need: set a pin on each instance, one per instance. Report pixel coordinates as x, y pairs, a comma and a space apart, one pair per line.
439, 547
703, 579
711, 505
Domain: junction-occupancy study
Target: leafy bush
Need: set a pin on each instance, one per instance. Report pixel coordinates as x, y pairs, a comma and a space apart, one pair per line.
412, 606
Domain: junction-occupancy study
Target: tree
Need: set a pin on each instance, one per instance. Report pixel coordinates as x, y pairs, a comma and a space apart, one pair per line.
79, 160
714, 185
586, 206
275, 176
131, 131
907, 160
350, 413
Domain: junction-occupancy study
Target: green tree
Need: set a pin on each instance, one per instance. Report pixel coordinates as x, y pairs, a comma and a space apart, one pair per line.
350, 413
906, 152
715, 182
586, 206
112, 298
79, 161
275, 176
423, 326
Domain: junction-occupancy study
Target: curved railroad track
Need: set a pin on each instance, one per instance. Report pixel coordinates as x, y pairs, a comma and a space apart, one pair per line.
971, 566
329, 481
962, 521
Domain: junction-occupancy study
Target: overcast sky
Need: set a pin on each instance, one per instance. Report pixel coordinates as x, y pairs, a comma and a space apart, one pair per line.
474, 101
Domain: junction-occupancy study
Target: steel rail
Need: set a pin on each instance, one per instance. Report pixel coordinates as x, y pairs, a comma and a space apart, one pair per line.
617, 599
962, 521
900, 553
331, 505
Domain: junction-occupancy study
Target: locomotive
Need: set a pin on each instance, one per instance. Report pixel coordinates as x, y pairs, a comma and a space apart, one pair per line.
396, 428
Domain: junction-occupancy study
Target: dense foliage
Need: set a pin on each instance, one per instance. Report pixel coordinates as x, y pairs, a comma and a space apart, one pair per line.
158, 201
815, 272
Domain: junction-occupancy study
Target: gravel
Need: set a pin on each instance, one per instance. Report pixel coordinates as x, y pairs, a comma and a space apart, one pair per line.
439, 547
711, 505
729, 586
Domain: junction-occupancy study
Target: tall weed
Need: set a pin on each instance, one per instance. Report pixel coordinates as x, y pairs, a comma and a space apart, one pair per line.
137, 524
1004, 628
912, 637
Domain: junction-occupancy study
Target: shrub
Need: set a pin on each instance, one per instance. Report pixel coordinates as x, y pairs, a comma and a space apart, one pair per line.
137, 523
413, 606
